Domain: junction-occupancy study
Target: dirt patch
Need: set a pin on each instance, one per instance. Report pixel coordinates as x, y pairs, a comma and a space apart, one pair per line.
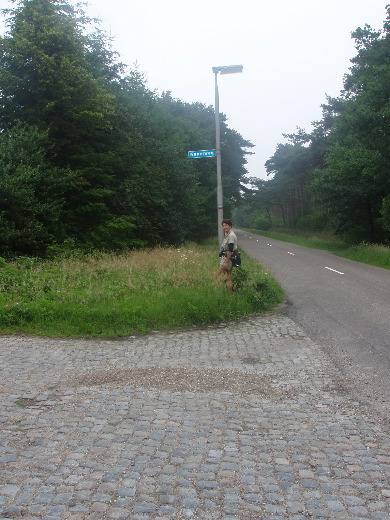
183, 379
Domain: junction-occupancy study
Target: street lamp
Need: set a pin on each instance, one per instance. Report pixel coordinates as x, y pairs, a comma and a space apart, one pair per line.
227, 69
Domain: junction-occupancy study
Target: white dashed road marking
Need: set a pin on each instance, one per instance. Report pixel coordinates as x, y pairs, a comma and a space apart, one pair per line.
334, 270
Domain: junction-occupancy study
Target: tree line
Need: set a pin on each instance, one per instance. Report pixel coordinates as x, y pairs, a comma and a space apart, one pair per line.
90, 157
338, 176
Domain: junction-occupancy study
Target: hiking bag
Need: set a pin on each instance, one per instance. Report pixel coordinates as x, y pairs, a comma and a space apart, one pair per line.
236, 258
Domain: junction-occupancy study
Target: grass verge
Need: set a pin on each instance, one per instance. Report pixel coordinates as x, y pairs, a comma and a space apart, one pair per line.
372, 254
109, 295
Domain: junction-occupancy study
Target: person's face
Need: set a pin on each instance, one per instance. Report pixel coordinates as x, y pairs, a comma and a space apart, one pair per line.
226, 227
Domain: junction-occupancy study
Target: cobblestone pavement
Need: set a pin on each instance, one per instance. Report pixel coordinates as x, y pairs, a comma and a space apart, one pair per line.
244, 421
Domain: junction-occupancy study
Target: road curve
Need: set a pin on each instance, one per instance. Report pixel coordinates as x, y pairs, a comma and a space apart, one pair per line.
341, 304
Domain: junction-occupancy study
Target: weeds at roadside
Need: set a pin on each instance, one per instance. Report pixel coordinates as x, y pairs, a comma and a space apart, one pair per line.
372, 254
111, 295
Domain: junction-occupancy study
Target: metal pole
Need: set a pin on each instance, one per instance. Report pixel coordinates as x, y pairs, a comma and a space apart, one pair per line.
230, 69
219, 167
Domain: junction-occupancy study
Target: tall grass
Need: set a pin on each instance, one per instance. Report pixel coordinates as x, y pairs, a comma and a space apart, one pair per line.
320, 240
111, 295
373, 254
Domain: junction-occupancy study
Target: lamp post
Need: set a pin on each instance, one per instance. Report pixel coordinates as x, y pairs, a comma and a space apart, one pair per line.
227, 69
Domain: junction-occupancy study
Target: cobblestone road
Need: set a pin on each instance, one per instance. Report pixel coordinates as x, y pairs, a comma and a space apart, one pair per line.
245, 421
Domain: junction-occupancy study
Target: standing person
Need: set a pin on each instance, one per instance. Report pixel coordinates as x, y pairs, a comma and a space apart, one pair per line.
229, 244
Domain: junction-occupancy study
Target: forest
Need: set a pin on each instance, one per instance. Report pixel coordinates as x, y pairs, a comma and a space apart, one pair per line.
91, 158
337, 177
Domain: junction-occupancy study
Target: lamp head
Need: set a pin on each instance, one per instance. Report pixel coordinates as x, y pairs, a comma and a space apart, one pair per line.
228, 69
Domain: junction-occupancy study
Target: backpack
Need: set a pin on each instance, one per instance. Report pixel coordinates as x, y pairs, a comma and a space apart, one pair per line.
236, 258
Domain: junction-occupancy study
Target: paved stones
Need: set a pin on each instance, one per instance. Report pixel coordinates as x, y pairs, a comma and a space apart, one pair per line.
246, 421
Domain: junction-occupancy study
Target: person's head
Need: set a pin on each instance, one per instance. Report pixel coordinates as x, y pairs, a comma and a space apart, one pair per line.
227, 224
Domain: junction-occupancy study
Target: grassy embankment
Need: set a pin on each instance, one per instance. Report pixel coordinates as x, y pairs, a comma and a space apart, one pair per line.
377, 255
108, 295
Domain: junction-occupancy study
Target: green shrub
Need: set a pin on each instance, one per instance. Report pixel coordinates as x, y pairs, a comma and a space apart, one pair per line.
263, 223
313, 221
114, 295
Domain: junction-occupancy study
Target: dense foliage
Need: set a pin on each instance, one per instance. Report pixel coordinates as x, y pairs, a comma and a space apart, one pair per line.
112, 295
89, 156
338, 175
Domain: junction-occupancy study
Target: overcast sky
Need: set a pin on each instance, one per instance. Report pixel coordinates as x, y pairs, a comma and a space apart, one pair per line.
293, 54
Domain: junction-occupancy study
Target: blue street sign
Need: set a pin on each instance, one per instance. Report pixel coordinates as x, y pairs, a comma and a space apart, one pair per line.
201, 153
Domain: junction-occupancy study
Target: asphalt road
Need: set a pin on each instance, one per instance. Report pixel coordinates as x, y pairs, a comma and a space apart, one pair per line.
341, 304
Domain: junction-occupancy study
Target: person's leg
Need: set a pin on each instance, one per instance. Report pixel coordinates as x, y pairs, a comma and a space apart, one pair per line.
226, 275
229, 281
221, 273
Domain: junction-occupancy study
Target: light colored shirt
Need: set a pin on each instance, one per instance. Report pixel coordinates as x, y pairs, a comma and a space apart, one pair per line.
229, 238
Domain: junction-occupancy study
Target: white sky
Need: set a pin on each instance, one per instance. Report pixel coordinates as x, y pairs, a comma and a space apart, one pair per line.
293, 53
